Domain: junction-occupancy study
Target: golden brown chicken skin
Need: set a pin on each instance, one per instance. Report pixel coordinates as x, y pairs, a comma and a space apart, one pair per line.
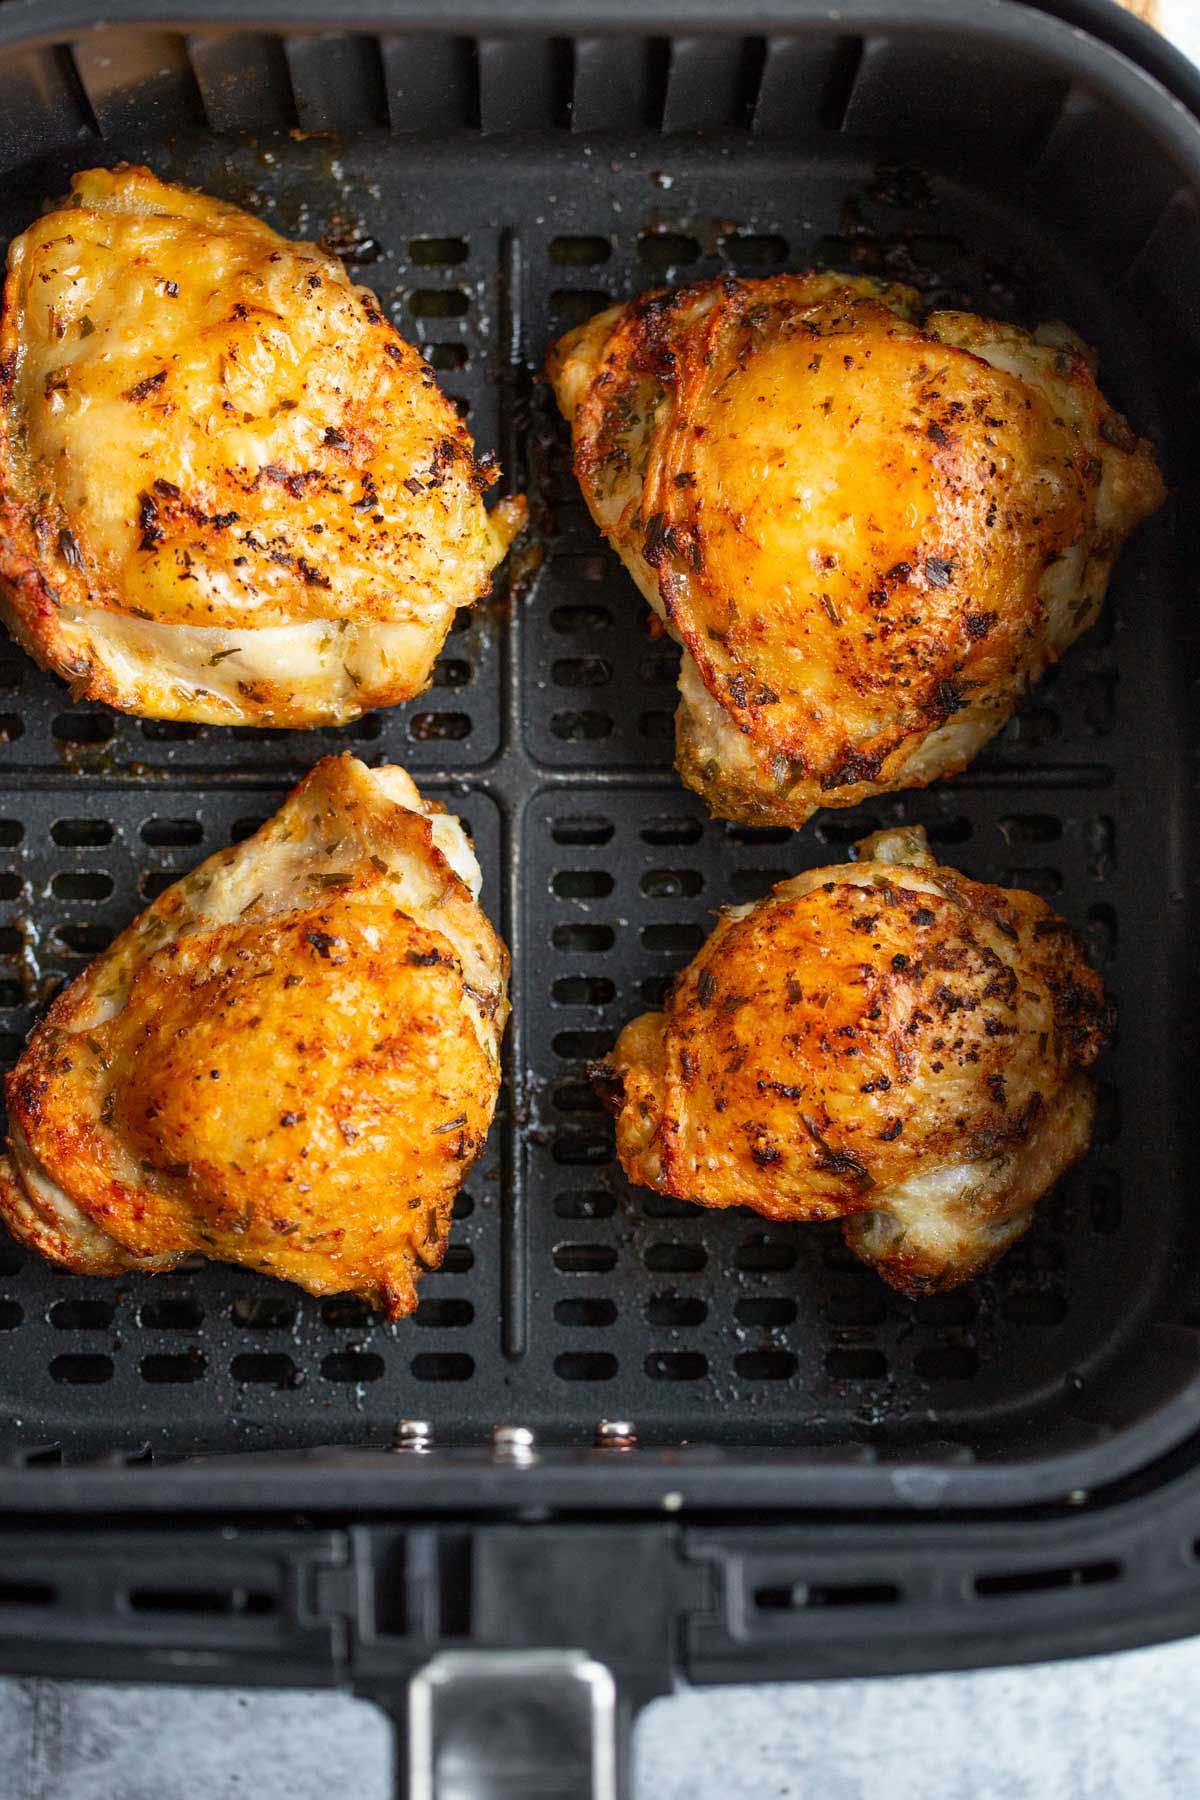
229, 490
289, 1061
884, 1042
869, 534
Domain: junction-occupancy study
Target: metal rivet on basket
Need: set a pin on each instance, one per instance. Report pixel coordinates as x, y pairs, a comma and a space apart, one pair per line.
414, 1436
615, 1434
514, 1443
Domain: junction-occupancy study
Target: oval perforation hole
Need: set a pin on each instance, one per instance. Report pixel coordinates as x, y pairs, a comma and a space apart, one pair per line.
581, 727
82, 728
581, 884
765, 1365
444, 1315
173, 834
579, 252
11, 1315
439, 727
582, 990
676, 1365
352, 1366
654, 990
581, 671
676, 1312
675, 1259
672, 940
11, 884
345, 1312
658, 727
832, 830
865, 1309
847, 1363
11, 994
584, 1259
11, 1046
662, 251
667, 831
265, 1369
263, 1312
755, 249
583, 1149
446, 356
165, 1368
438, 252
442, 1365
79, 884
752, 884
83, 940
79, 834
457, 1260
156, 881
585, 1365
173, 1312
574, 1046
82, 1315
27, 1593
582, 828
575, 306
756, 836
577, 1097
585, 1203
439, 303
763, 1254
452, 672
588, 940
170, 731
575, 621
766, 1312
671, 884
593, 1312
12, 727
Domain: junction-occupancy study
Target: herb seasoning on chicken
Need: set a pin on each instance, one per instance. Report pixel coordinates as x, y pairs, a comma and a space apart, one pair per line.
884, 1042
869, 534
229, 490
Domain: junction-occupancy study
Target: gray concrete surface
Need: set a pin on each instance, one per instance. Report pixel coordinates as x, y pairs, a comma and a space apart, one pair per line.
1110, 1728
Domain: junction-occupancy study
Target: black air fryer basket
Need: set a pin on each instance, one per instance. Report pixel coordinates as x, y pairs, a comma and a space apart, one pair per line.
684, 1443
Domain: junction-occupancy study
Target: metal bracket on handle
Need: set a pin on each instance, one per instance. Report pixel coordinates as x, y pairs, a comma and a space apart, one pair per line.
514, 1725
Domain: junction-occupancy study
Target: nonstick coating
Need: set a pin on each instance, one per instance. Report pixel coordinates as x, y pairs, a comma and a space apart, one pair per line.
566, 1295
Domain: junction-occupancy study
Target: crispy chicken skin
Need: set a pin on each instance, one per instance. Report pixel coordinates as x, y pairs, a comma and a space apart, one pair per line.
229, 490
289, 1061
887, 1043
869, 534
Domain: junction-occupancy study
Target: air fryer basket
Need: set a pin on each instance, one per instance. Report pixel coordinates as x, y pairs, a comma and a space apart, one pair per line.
496, 174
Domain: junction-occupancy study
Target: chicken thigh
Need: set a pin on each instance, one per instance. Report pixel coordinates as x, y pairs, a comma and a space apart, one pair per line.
869, 533
885, 1042
229, 490
289, 1061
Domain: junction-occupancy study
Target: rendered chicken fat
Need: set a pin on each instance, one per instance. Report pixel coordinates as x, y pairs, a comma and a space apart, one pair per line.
289, 1061
229, 490
869, 535
885, 1042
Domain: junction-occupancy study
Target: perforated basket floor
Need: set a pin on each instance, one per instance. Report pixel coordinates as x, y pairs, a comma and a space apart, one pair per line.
565, 1295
